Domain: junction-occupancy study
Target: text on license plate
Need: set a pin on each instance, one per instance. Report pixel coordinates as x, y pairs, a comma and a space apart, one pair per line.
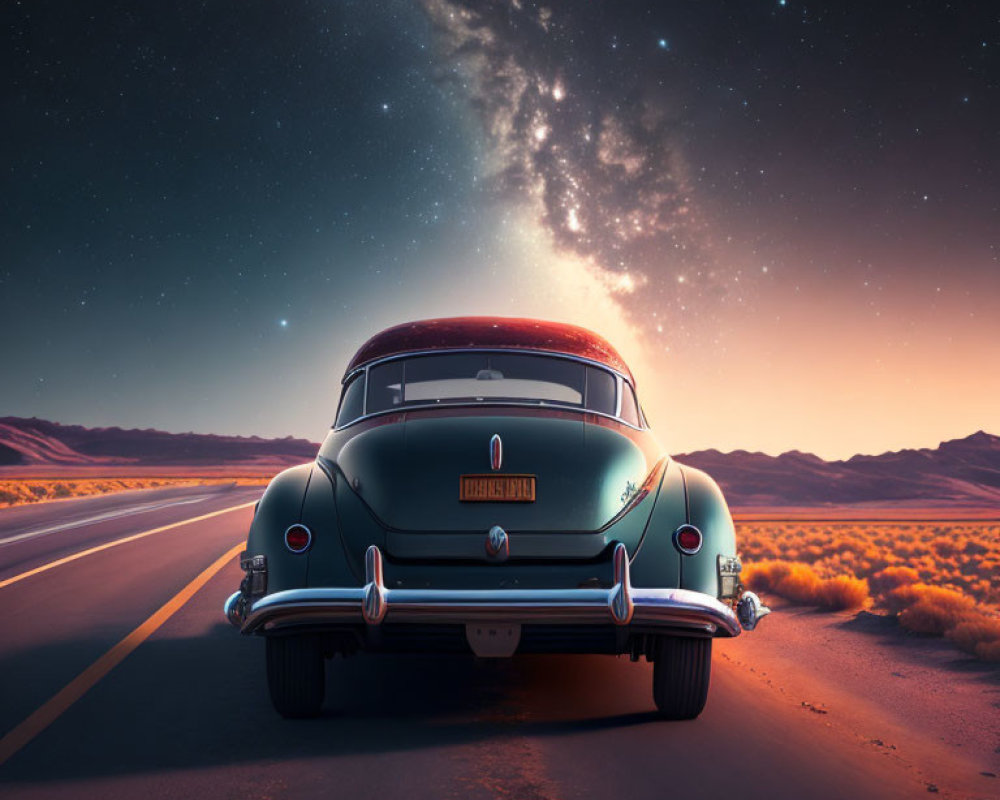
497, 489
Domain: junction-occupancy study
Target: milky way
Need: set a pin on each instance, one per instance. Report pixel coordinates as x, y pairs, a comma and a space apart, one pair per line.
582, 122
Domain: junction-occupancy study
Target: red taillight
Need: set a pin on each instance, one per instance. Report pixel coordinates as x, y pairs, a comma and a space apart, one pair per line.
298, 538
688, 539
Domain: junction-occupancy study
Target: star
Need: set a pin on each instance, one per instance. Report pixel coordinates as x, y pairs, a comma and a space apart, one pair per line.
283, 323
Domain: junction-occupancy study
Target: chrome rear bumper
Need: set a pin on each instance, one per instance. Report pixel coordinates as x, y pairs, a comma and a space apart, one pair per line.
372, 603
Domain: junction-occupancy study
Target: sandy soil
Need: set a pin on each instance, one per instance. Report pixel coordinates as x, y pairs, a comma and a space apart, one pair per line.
913, 699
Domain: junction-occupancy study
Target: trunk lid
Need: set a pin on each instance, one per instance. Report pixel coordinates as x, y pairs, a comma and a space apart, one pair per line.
408, 473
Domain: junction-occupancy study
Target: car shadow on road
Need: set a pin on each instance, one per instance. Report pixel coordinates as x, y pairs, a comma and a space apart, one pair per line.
200, 702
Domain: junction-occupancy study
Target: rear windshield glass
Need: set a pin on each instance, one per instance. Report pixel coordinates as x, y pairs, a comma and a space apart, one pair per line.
475, 377
470, 377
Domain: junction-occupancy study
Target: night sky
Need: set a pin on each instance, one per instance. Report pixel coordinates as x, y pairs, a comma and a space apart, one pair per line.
786, 215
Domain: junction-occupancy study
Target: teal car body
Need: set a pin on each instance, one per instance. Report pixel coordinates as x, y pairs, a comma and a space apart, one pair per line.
491, 486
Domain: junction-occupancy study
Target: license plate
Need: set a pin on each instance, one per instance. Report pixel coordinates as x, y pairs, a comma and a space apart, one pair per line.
497, 489
493, 641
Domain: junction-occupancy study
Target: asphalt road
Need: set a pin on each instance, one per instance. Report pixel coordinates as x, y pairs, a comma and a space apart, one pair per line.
181, 710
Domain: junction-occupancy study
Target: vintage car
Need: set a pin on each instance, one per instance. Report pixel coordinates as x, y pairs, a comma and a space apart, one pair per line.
491, 485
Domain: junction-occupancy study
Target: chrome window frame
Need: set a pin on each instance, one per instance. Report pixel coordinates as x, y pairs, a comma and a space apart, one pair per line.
620, 381
340, 403
635, 401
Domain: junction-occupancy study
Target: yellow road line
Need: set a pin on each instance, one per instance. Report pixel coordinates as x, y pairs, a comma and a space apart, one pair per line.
116, 542
83, 682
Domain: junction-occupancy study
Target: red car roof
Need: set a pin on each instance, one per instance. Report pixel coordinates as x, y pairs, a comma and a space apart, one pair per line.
489, 333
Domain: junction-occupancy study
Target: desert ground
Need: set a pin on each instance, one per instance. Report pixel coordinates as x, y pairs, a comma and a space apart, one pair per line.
935, 578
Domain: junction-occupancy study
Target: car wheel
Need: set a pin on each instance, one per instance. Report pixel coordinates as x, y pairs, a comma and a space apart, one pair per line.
295, 675
681, 671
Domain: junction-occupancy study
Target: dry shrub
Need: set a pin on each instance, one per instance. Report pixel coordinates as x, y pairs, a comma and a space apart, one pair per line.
800, 584
939, 577
775, 576
988, 651
946, 546
891, 578
813, 552
930, 609
841, 593
975, 548
979, 636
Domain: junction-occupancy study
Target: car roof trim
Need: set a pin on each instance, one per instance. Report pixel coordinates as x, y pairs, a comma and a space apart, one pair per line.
490, 333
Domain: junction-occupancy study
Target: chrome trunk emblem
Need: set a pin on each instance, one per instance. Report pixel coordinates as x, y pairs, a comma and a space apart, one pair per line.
497, 544
496, 451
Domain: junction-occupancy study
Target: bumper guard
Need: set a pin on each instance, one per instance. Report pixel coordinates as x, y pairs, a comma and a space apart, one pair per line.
622, 604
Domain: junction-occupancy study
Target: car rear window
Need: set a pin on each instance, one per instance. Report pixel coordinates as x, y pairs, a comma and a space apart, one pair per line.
475, 377
482, 377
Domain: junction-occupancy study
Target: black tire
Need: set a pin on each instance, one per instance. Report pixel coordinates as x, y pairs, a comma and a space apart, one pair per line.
296, 675
681, 671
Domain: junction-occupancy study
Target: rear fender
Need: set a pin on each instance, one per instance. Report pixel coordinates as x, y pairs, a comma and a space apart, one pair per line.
656, 562
330, 510
280, 507
707, 511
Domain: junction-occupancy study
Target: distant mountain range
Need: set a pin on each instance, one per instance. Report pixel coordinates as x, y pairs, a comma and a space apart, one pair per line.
39, 443
961, 472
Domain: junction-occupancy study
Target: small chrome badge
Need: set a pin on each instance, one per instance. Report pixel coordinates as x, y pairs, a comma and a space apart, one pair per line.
497, 544
496, 451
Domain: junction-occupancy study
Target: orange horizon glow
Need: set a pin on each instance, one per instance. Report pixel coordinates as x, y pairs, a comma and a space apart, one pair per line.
803, 368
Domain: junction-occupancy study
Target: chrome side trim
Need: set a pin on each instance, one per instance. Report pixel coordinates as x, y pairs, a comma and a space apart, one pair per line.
652, 610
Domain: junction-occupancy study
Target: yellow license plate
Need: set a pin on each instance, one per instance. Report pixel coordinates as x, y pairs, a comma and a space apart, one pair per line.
497, 489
